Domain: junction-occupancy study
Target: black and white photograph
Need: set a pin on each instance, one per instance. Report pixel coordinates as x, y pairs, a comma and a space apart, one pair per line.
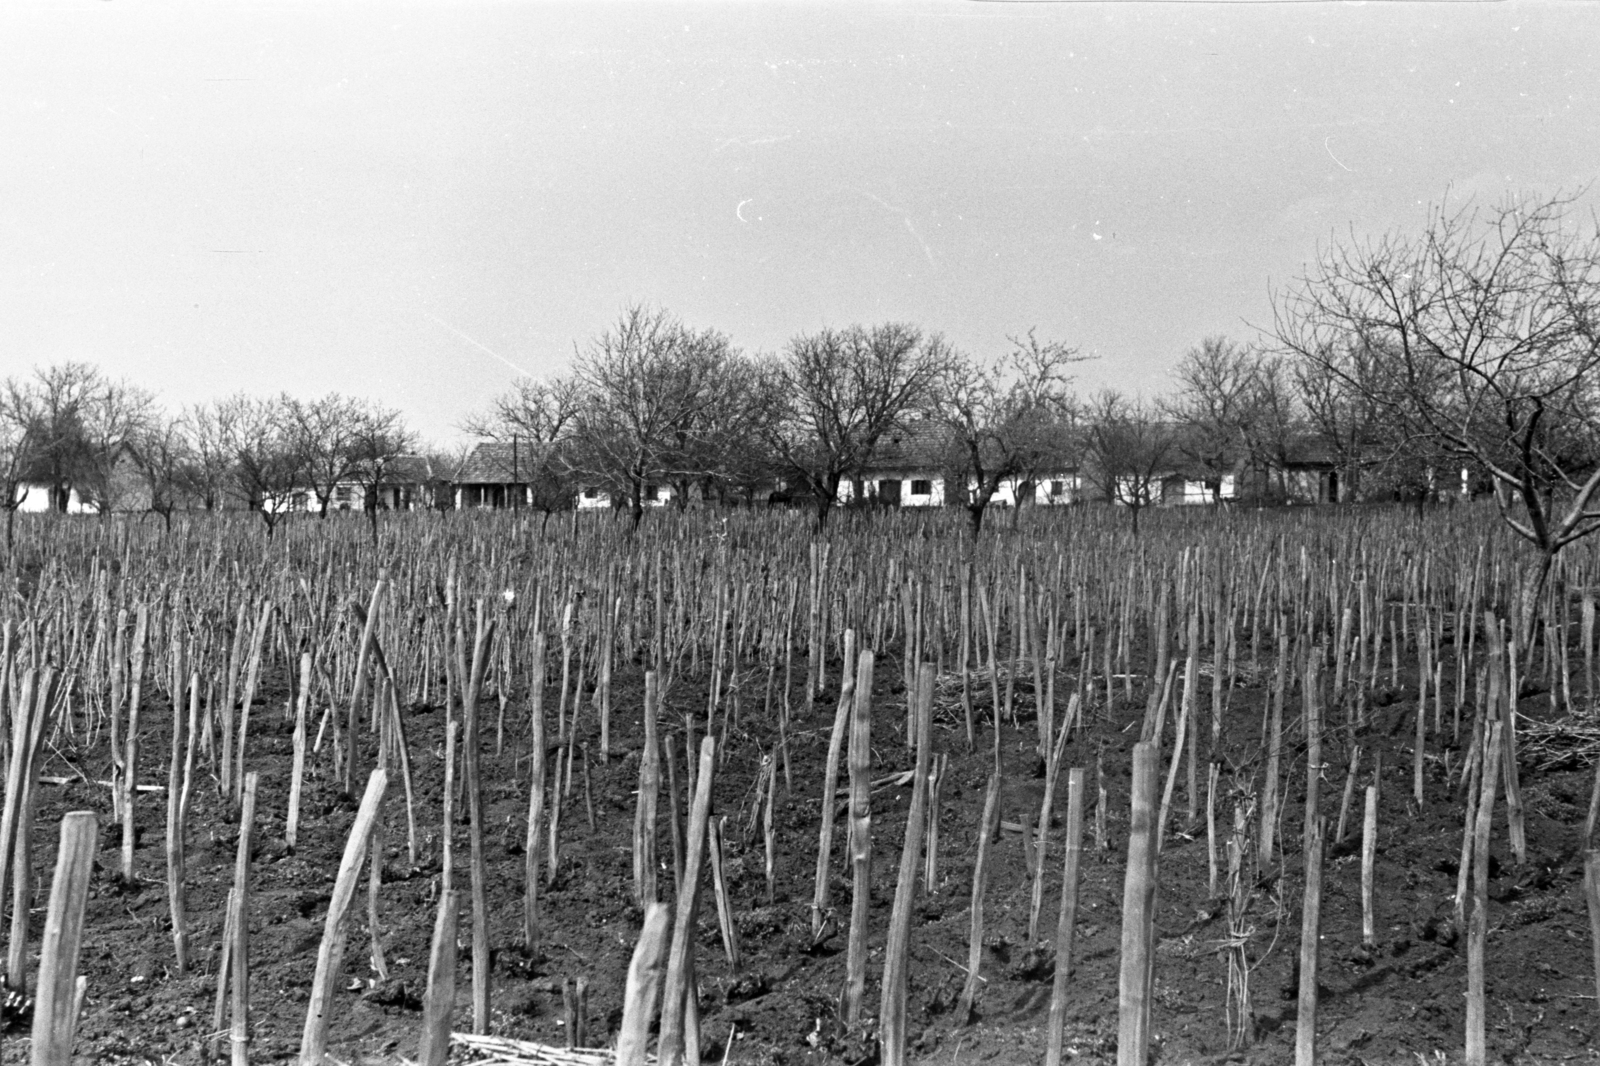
779, 533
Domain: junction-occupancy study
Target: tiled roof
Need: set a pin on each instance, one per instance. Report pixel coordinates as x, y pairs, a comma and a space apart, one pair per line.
491, 463
409, 470
920, 445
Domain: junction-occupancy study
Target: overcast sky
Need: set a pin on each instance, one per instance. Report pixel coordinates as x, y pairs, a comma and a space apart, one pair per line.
405, 201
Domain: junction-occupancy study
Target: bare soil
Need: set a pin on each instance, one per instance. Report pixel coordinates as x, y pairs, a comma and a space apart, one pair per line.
1399, 1003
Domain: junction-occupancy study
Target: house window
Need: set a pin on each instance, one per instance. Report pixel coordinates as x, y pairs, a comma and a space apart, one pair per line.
590, 494
921, 487
650, 492
1055, 488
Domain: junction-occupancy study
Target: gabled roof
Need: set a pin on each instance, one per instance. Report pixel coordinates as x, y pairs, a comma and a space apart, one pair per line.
500, 463
409, 470
918, 445
927, 446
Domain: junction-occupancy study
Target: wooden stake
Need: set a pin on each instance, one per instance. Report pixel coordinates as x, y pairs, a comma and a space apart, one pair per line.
239, 922
1138, 912
1349, 793
252, 678
330, 955
1067, 918
679, 986
860, 839
471, 743
530, 850
434, 1047
644, 822
1369, 854
130, 759
644, 979
1305, 1039
725, 922
936, 776
27, 744
821, 897
178, 781
1477, 1048
380, 965
988, 826
55, 1008
297, 773
896, 956
1591, 895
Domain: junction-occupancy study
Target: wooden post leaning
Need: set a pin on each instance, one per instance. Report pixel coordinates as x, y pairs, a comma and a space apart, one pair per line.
434, 1047
644, 980
55, 1017
896, 956
330, 956
680, 961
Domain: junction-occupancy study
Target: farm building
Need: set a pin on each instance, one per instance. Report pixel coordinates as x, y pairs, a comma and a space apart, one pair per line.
501, 474
591, 498
409, 483
37, 499
919, 466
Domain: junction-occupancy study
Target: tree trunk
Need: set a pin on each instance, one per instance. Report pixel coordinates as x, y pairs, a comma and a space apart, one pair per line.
827, 494
975, 511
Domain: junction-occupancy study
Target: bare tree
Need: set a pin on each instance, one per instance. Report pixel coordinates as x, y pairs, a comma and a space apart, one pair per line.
1276, 423
845, 389
539, 410
162, 460
378, 439
268, 470
208, 431
54, 403
1213, 409
115, 414
719, 448
323, 431
1484, 335
1130, 448
537, 415
648, 383
18, 447
1011, 420
445, 461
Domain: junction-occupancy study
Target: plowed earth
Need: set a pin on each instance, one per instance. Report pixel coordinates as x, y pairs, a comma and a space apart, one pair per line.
1399, 1002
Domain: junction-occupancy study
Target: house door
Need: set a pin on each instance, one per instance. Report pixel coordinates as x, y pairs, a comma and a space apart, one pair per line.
889, 491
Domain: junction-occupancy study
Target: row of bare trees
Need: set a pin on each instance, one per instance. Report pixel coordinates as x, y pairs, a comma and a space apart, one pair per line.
1395, 363
652, 401
69, 429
